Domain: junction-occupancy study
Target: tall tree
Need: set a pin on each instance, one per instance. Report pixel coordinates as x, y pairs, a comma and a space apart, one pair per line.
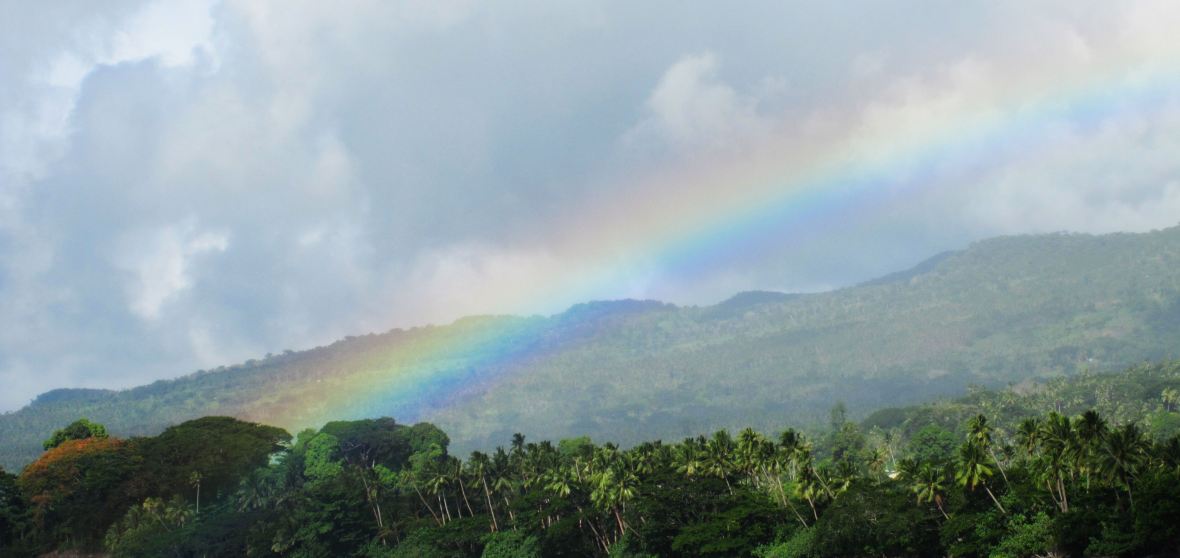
973, 470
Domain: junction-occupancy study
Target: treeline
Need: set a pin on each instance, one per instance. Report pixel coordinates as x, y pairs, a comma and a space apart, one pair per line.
1053, 484
1002, 311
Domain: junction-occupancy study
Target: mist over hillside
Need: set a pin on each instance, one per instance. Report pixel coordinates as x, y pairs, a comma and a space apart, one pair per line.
1000, 311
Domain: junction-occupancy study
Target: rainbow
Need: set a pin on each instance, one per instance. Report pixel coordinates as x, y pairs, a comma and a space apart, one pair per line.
694, 215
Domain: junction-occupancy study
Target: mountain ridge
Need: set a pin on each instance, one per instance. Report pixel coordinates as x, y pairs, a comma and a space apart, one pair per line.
1001, 310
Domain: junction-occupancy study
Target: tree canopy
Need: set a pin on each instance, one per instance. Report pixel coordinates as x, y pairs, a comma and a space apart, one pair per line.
948, 480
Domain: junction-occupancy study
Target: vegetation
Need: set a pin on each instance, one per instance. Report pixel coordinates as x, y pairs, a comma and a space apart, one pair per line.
1054, 481
1002, 311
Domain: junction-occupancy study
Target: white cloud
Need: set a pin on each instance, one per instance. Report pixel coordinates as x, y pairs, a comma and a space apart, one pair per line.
1117, 175
159, 264
389, 163
691, 106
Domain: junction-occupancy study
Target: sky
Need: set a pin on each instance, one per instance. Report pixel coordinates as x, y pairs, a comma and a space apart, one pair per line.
192, 183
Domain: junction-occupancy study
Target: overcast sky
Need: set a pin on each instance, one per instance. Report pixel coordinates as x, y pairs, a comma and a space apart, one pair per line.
185, 184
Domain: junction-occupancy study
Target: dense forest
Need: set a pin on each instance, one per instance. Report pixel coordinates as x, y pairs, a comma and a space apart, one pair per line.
1001, 311
1082, 467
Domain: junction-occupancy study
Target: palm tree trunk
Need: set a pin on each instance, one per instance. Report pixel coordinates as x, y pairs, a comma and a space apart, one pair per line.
999, 466
938, 502
1064, 496
824, 483
598, 536
445, 507
491, 509
427, 504
997, 502
1053, 494
783, 495
463, 490
374, 506
511, 515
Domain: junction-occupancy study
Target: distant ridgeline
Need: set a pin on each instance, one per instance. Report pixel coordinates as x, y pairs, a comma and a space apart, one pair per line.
999, 312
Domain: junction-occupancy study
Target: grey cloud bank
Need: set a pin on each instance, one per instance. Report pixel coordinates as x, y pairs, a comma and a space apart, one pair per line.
189, 184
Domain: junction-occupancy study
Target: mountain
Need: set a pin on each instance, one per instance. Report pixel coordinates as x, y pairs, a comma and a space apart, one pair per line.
998, 312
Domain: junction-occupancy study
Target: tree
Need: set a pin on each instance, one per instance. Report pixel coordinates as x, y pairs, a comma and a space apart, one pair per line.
933, 444
80, 429
973, 470
78, 489
718, 458
1028, 435
980, 432
150, 529
928, 484
1124, 453
1091, 433
1059, 447
1170, 397
220, 451
481, 465
194, 480
14, 512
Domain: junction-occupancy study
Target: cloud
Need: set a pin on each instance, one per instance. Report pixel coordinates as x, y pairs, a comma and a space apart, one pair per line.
159, 261
189, 184
691, 106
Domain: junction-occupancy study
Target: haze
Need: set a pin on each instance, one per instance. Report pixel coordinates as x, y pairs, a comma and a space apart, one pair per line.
190, 184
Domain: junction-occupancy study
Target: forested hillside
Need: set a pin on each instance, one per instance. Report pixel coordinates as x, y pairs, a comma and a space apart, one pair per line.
1081, 467
999, 312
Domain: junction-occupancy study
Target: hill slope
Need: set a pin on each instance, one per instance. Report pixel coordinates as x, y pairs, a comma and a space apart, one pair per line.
1001, 311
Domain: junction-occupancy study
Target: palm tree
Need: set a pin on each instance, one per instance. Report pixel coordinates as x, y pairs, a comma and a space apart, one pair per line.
437, 479
517, 443
878, 462
1059, 447
689, 458
718, 459
1124, 453
613, 487
795, 450
480, 465
807, 487
842, 477
979, 431
194, 480
454, 468
751, 452
1091, 431
1028, 436
929, 485
1170, 396
1168, 454
973, 470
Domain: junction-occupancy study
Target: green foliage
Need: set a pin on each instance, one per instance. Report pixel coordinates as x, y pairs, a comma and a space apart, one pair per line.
1029, 536
218, 450
1009, 310
150, 529
932, 444
571, 447
78, 488
77, 430
801, 544
1051, 483
511, 544
872, 519
747, 521
14, 515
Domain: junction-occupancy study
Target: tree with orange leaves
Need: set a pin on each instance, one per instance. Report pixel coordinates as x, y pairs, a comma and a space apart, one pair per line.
75, 489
